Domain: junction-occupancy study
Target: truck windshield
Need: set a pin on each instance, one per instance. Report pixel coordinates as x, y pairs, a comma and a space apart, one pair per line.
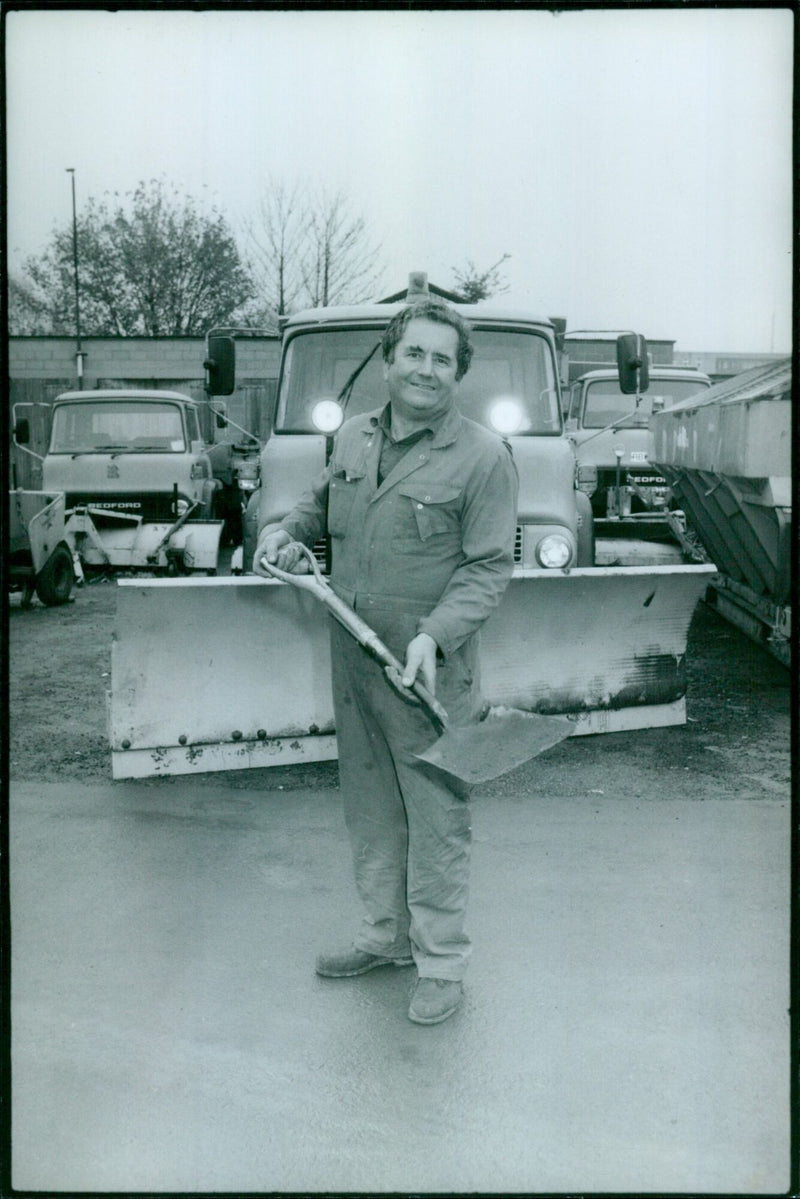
511, 371
124, 426
605, 403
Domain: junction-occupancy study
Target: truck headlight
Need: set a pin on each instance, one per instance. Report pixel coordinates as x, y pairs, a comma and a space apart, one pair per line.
182, 506
326, 416
248, 484
553, 551
506, 416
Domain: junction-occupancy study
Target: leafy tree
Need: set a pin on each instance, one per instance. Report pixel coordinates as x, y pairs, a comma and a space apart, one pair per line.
474, 285
154, 266
27, 311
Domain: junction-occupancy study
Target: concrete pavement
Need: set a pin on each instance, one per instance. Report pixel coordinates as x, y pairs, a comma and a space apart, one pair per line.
625, 1025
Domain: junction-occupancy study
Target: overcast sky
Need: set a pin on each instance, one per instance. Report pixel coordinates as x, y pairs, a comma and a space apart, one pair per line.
636, 165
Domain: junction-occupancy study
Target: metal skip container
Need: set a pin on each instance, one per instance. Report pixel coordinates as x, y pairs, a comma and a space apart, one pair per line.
726, 454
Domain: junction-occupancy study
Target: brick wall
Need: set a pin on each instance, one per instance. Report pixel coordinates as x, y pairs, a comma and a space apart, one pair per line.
145, 358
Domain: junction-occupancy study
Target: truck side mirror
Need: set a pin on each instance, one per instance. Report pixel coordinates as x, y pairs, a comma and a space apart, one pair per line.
632, 363
220, 365
559, 324
22, 431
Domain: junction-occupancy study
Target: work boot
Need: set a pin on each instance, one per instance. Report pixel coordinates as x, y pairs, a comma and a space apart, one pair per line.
355, 961
434, 1000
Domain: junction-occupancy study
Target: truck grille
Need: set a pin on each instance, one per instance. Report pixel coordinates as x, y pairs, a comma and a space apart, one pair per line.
149, 507
642, 476
645, 479
320, 547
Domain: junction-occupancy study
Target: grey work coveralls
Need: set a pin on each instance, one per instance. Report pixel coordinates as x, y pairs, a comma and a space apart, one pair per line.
429, 550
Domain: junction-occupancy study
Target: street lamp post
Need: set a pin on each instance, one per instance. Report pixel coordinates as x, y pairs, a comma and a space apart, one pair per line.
79, 353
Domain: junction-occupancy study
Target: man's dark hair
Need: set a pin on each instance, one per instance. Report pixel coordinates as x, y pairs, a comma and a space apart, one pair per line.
430, 310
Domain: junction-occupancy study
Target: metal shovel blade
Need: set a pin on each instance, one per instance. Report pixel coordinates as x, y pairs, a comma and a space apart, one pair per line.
505, 739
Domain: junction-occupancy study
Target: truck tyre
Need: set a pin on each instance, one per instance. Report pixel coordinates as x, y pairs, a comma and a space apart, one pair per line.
250, 532
585, 529
56, 578
227, 506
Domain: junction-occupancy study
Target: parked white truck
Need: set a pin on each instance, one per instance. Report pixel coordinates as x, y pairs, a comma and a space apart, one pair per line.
614, 447
142, 488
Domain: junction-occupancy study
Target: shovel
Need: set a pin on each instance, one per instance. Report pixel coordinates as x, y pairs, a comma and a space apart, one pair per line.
502, 740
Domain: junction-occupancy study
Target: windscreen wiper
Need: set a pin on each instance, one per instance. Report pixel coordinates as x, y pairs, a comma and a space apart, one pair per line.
344, 395
616, 425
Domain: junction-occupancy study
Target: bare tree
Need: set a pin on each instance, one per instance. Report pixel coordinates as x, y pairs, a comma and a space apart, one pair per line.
339, 264
274, 241
306, 247
153, 266
474, 285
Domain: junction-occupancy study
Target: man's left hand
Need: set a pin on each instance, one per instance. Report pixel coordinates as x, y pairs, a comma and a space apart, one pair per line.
421, 659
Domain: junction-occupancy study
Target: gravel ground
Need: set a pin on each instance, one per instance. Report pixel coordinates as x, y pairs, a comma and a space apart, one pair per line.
735, 744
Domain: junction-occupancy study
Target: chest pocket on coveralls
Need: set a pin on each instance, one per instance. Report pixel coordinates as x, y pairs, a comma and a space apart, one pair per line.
429, 510
341, 494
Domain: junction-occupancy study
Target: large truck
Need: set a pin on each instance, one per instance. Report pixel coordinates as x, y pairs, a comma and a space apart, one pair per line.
142, 488
726, 455
614, 448
605, 646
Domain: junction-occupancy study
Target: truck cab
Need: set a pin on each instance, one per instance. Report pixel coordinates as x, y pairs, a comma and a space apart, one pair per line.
331, 369
137, 453
613, 441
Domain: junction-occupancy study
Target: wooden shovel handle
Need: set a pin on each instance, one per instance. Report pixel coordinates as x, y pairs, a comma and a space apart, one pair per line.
364, 635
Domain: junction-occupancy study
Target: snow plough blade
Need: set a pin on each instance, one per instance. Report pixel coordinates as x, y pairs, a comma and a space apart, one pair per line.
228, 673
137, 545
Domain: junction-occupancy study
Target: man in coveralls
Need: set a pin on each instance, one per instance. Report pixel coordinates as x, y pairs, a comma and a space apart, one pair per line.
420, 506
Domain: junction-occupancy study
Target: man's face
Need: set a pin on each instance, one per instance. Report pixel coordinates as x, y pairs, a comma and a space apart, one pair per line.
422, 375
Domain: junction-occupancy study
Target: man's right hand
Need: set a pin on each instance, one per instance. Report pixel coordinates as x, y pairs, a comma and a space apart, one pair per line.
279, 550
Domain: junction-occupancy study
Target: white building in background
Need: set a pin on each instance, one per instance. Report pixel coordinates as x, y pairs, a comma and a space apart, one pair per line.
720, 365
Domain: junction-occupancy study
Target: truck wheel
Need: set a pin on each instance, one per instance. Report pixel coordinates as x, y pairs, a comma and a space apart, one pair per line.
227, 506
54, 581
250, 532
585, 529
233, 527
